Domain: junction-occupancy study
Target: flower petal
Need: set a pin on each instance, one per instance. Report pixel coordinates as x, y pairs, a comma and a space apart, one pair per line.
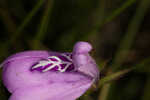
17, 74
28, 54
68, 86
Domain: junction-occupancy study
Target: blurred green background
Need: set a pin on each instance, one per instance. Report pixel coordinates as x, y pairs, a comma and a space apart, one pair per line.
119, 31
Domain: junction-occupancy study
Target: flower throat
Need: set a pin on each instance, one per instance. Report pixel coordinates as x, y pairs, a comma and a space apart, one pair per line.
61, 63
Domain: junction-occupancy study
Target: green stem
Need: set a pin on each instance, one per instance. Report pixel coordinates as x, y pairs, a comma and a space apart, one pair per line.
85, 26
43, 26
27, 20
139, 66
104, 92
113, 15
117, 12
146, 95
7, 20
143, 66
14, 36
104, 82
128, 39
99, 21
113, 76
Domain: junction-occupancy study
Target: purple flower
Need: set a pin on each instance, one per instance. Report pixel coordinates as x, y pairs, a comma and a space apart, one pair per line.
44, 75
